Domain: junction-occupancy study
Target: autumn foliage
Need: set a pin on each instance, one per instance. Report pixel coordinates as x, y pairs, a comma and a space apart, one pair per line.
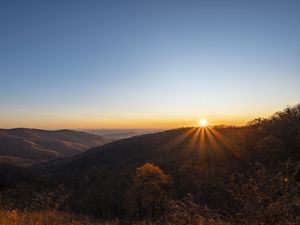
149, 191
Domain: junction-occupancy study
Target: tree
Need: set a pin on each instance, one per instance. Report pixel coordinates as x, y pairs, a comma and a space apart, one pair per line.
270, 148
196, 180
267, 195
148, 192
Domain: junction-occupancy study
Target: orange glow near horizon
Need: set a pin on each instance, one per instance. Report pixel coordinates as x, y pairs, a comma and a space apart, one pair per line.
203, 122
48, 122
116, 119
123, 122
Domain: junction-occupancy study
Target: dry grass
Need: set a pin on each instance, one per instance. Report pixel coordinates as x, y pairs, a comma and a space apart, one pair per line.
15, 217
188, 213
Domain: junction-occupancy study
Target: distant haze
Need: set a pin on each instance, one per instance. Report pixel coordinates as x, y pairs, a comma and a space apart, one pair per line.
115, 134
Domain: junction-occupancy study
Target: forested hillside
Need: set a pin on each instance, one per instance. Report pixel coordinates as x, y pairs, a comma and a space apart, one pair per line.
209, 175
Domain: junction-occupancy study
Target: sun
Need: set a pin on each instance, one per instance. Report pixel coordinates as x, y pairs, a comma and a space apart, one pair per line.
202, 122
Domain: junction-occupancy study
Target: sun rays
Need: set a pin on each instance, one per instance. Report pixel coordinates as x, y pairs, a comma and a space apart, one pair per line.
203, 144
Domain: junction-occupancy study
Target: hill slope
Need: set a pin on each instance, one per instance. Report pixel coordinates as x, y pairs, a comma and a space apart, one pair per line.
100, 177
214, 166
37, 144
168, 147
104, 174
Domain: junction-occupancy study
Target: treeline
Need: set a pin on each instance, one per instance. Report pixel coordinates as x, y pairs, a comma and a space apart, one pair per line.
263, 195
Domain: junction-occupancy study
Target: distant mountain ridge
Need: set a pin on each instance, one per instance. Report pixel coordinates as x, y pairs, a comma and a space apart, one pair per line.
36, 144
116, 134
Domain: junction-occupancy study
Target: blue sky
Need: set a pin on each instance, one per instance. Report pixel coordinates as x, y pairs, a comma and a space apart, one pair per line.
75, 64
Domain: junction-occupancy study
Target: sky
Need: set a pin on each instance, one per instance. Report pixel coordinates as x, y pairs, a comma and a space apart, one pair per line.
146, 64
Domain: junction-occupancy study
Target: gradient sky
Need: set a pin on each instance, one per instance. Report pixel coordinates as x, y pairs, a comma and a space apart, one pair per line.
88, 64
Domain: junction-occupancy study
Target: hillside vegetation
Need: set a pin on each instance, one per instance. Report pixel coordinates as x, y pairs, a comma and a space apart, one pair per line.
14, 217
220, 175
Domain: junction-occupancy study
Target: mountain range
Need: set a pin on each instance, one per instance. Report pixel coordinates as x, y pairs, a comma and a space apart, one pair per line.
212, 165
34, 144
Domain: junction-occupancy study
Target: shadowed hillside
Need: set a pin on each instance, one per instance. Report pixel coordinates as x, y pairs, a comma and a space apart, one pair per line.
202, 145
